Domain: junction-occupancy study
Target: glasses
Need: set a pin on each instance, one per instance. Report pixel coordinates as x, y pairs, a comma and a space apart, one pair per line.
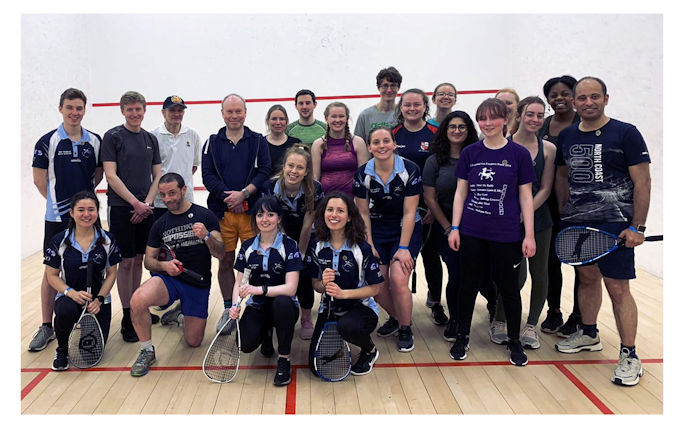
460, 127
385, 86
446, 94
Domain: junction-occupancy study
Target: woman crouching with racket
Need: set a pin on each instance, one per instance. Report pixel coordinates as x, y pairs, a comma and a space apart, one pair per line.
346, 272
494, 187
274, 262
67, 259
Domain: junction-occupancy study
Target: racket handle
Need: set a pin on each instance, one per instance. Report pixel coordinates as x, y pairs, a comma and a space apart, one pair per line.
654, 238
193, 274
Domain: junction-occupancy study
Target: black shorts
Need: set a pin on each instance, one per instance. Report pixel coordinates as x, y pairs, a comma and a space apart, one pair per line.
386, 242
51, 229
131, 238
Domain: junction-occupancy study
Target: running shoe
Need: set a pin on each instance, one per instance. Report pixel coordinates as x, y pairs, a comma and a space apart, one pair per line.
364, 364
553, 321
529, 337
174, 315
61, 362
578, 342
405, 341
224, 318
459, 350
497, 332
41, 338
390, 327
142, 364
429, 303
517, 354
438, 316
570, 327
283, 372
628, 369
450, 331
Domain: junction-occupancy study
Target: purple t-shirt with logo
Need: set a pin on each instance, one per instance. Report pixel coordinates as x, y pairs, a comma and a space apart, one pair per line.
492, 208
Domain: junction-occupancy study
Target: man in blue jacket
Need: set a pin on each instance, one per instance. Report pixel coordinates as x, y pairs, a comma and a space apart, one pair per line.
235, 163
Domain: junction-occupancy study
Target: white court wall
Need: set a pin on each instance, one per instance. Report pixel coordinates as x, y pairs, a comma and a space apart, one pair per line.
205, 57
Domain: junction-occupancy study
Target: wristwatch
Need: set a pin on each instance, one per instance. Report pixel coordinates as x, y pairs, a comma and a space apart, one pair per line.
641, 228
264, 289
246, 193
101, 299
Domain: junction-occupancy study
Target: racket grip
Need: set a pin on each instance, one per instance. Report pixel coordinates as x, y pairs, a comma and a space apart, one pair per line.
193, 275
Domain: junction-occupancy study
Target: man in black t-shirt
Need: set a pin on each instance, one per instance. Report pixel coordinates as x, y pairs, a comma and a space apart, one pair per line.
192, 232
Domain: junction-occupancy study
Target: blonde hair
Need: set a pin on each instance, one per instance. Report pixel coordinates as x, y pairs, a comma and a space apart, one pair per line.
347, 134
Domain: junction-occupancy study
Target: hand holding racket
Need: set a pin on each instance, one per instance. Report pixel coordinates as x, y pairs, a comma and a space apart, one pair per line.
580, 245
86, 343
166, 254
222, 360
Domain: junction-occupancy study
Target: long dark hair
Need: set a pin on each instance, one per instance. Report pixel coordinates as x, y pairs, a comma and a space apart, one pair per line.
85, 195
354, 230
440, 144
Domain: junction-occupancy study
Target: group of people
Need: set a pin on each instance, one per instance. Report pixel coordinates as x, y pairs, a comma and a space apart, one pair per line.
317, 208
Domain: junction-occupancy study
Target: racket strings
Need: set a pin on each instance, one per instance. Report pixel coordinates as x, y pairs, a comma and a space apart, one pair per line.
221, 361
579, 245
86, 344
332, 359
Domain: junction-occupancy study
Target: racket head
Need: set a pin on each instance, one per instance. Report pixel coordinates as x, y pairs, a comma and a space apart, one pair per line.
579, 245
222, 360
332, 356
86, 342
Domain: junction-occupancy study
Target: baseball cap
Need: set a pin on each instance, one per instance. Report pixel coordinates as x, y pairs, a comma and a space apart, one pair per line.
174, 100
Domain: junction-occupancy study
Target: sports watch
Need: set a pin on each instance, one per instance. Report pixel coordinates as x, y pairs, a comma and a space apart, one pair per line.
264, 289
641, 228
101, 299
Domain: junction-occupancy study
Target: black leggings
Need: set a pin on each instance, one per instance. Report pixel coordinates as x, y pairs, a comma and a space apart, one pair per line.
432, 265
67, 312
305, 292
255, 325
505, 261
356, 326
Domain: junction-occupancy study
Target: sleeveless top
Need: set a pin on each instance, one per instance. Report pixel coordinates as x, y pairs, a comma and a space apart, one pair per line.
542, 216
338, 166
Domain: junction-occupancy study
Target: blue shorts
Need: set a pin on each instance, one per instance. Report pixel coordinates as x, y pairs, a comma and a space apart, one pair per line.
194, 301
618, 264
386, 241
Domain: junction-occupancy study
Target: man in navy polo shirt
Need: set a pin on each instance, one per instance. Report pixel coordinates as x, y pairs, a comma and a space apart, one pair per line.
65, 161
235, 164
603, 181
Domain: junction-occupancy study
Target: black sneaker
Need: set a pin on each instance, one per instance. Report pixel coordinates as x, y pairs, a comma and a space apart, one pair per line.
570, 327
61, 362
553, 322
517, 354
128, 332
283, 371
389, 328
405, 341
364, 363
459, 350
267, 345
438, 316
450, 331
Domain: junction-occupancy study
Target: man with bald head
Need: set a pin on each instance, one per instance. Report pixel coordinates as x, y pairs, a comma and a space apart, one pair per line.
235, 163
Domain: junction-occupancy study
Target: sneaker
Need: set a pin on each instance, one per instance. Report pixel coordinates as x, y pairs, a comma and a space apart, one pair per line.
628, 369
570, 327
128, 332
155, 318
224, 318
283, 370
497, 332
307, 329
429, 303
405, 341
41, 338
459, 350
517, 354
450, 331
364, 364
267, 349
438, 316
174, 315
142, 364
529, 337
553, 322
61, 362
389, 328
578, 341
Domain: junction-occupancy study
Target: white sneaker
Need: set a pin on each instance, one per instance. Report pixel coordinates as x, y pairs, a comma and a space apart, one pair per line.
628, 369
224, 318
498, 333
577, 342
529, 337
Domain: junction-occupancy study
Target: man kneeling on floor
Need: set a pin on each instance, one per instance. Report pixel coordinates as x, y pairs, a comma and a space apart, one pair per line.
192, 233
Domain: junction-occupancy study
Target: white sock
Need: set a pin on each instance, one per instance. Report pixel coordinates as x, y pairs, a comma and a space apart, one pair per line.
147, 345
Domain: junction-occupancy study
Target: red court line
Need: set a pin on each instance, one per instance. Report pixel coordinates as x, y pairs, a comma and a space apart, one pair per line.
275, 100
584, 389
36, 380
291, 395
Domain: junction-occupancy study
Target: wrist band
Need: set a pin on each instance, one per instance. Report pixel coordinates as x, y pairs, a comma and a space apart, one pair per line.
403, 247
631, 228
207, 237
66, 291
454, 227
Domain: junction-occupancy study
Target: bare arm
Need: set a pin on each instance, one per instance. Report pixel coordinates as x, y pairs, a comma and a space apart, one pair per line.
289, 288
362, 154
362, 205
305, 235
430, 197
316, 152
40, 180
525, 198
97, 177
459, 199
641, 176
154, 187
368, 291
547, 176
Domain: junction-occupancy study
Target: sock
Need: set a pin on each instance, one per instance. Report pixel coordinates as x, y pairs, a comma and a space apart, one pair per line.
590, 330
126, 318
632, 350
147, 345
48, 324
227, 304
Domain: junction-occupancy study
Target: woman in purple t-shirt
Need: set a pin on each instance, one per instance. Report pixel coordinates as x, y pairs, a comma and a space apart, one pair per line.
494, 187
338, 154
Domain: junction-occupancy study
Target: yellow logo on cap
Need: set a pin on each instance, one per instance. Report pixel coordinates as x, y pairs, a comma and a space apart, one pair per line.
176, 99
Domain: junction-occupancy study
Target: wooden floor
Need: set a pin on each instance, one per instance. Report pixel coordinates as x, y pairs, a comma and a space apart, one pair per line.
425, 381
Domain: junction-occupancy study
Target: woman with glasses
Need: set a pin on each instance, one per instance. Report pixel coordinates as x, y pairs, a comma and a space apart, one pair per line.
444, 98
382, 113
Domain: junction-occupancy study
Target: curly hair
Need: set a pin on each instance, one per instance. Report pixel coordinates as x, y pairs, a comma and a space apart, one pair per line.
354, 230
